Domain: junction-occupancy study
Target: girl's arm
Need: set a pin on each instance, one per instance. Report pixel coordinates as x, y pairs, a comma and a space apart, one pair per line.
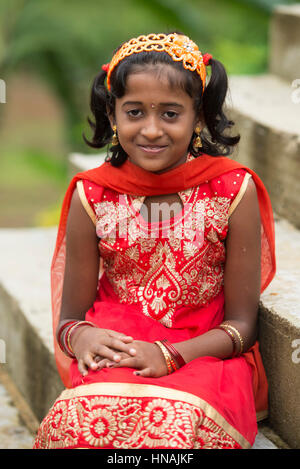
80, 289
82, 263
241, 283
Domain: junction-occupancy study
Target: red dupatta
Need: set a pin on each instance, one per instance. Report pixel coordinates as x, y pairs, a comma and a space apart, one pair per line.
133, 180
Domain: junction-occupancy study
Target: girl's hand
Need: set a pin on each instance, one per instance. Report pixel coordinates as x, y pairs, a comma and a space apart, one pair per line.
95, 347
148, 360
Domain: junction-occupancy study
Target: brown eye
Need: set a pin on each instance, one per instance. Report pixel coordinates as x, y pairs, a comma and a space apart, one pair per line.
134, 113
171, 114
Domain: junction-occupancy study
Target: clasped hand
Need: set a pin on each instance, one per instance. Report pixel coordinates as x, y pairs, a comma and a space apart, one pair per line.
97, 348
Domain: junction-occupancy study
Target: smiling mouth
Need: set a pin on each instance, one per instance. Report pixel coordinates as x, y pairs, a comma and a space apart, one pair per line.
152, 148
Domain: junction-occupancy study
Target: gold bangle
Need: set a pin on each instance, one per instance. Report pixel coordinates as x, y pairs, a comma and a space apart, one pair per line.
230, 327
166, 355
231, 336
71, 330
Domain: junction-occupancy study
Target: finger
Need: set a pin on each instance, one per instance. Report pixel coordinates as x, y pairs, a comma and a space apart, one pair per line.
119, 346
119, 335
82, 368
89, 361
108, 353
110, 364
103, 364
111, 354
146, 372
130, 362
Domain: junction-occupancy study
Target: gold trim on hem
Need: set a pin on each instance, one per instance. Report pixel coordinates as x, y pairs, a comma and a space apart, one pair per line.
239, 194
84, 201
149, 390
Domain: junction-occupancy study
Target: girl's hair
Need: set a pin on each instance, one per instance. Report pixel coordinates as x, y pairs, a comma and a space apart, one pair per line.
209, 104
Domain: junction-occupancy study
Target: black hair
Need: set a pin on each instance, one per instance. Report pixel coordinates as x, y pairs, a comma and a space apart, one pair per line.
208, 104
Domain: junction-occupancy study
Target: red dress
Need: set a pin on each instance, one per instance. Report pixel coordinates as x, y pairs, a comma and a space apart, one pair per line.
161, 281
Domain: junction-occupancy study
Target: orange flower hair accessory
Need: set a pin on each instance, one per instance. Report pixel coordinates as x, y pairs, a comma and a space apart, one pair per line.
178, 46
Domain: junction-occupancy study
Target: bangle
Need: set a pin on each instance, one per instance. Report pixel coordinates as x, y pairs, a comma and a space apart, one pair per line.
176, 355
232, 337
171, 365
61, 332
67, 336
230, 327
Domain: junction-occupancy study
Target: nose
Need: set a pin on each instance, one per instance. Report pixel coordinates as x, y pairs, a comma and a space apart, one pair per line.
151, 129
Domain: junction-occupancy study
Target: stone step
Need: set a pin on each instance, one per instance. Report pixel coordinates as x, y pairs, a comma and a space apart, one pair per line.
268, 120
279, 335
82, 162
26, 328
285, 42
18, 425
25, 316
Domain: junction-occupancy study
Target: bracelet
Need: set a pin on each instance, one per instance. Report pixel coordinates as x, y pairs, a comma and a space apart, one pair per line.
176, 355
230, 327
171, 365
232, 337
67, 348
61, 333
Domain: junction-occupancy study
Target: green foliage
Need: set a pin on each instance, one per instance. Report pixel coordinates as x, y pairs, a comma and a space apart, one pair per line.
30, 165
32, 187
65, 43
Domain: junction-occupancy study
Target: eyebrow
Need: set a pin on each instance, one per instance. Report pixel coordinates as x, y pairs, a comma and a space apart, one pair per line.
160, 104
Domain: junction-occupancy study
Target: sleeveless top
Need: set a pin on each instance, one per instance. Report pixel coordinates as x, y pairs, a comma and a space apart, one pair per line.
164, 266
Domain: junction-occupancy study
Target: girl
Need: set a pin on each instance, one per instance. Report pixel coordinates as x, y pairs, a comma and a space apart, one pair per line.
161, 255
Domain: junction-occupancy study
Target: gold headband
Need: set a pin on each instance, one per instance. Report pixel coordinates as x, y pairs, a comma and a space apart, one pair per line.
179, 47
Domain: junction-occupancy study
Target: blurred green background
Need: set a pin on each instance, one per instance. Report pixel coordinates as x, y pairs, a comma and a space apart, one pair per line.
50, 51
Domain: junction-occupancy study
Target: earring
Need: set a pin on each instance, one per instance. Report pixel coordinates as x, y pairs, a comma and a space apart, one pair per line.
114, 140
197, 143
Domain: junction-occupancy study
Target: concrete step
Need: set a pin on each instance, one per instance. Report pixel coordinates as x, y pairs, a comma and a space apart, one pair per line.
285, 42
268, 120
82, 162
17, 423
279, 335
25, 320
13, 433
25, 315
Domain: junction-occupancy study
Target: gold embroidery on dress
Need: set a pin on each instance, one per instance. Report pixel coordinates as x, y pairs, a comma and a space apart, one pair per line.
157, 272
129, 422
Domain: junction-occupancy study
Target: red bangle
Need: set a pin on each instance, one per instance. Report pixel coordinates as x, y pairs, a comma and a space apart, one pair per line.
65, 334
60, 334
71, 329
176, 355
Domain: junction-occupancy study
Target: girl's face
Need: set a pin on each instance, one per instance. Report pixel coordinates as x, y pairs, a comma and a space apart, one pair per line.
155, 121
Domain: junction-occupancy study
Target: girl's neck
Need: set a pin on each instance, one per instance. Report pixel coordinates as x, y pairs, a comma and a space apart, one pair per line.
188, 156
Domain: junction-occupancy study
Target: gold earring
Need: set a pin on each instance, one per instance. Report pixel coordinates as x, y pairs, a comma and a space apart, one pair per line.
114, 140
197, 143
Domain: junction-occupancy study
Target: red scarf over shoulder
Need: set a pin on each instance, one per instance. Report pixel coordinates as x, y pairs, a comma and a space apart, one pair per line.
133, 180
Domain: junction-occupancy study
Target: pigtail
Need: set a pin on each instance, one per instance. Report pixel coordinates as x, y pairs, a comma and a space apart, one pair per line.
98, 103
215, 119
101, 102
